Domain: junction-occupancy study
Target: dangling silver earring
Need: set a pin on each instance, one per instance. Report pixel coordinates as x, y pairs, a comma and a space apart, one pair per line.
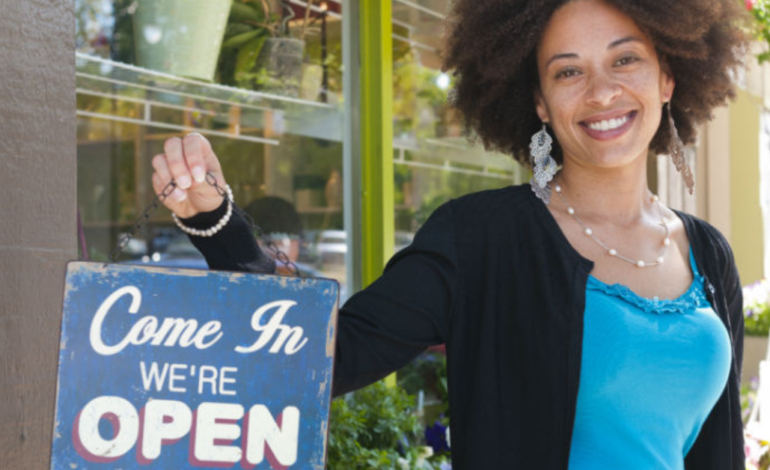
676, 150
543, 164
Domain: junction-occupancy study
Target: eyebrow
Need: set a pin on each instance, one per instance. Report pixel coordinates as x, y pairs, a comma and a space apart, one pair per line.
613, 44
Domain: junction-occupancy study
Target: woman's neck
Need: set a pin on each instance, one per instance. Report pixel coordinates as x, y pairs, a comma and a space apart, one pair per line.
617, 196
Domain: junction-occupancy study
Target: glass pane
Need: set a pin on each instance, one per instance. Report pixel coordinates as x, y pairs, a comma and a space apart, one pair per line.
263, 84
433, 161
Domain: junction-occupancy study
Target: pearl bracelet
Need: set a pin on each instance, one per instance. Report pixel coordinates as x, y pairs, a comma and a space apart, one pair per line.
217, 227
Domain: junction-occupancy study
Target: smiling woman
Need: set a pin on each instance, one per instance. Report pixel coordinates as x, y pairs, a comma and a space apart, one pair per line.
595, 330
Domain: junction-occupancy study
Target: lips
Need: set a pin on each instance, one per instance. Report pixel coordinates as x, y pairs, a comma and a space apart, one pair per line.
609, 127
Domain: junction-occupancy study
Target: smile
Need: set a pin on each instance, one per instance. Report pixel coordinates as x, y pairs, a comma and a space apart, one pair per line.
609, 128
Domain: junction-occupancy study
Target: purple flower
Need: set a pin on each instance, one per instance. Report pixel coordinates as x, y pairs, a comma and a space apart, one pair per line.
435, 436
749, 313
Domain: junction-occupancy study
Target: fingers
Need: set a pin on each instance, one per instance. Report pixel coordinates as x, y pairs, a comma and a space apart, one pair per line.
162, 177
176, 162
199, 156
187, 162
190, 158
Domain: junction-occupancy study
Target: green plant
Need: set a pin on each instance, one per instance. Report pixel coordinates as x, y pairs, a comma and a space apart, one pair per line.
756, 308
368, 428
250, 24
757, 455
427, 373
760, 29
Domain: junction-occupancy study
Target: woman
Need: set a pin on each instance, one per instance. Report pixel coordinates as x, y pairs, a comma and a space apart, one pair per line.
587, 325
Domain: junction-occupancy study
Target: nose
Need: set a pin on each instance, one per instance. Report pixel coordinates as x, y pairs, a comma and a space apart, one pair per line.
603, 90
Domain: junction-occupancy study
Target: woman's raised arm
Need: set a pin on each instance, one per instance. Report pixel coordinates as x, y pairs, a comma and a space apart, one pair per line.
200, 205
381, 328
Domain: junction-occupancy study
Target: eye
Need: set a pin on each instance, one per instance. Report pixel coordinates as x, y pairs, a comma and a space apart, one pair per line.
626, 60
567, 73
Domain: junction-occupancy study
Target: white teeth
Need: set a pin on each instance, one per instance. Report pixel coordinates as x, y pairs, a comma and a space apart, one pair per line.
608, 124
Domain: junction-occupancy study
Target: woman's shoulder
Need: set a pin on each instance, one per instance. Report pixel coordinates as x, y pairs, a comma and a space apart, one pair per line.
708, 240
701, 228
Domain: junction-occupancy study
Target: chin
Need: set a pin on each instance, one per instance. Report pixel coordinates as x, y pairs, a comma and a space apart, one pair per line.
614, 159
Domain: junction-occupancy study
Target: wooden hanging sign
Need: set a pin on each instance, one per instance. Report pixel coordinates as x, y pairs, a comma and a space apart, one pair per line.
180, 368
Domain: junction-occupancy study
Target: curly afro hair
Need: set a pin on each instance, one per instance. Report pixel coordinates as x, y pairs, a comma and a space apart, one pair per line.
491, 46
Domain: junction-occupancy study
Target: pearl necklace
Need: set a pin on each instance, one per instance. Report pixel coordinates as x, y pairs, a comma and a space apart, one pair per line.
611, 251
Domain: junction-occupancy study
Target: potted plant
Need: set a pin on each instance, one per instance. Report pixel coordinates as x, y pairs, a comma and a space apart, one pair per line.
760, 28
756, 314
180, 37
259, 50
376, 427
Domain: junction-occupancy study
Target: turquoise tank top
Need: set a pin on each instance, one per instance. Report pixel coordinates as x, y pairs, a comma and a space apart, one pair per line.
651, 372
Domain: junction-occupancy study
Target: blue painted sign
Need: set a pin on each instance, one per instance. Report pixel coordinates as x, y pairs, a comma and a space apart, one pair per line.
180, 368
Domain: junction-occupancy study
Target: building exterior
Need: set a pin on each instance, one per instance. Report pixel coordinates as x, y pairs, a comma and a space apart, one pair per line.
342, 152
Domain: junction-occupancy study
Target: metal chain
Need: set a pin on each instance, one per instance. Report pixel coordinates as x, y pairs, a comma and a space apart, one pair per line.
258, 232
148, 212
125, 238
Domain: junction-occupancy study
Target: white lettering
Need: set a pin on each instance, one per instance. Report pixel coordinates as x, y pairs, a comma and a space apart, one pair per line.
154, 376
164, 422
96, 323
263, 430
173, 377
208, 374
171, 331
125, 424
292, 337
211, 426
223, 379
156, 428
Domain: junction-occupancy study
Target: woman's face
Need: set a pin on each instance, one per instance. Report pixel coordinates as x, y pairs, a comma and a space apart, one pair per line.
602, 88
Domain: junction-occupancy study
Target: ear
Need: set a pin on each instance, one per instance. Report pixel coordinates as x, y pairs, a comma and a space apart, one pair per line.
540, 106
667, 83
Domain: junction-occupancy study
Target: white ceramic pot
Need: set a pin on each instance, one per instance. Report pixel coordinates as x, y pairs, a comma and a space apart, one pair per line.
180, 37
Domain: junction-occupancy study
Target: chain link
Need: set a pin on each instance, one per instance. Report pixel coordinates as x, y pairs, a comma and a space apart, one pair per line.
153, 207
258, 232
125, 238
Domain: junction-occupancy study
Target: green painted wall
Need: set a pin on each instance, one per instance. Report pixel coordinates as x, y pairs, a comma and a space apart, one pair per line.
745, 212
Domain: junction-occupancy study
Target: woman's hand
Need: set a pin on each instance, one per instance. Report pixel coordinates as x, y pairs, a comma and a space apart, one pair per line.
187, 161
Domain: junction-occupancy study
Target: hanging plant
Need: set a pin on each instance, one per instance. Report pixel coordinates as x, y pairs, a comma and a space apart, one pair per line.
258, 51
760, 29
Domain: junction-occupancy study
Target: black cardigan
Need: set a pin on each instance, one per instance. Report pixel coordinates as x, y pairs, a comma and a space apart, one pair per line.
492, 275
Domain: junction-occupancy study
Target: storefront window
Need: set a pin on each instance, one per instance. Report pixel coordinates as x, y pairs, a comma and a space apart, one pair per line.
433, 160
261, 79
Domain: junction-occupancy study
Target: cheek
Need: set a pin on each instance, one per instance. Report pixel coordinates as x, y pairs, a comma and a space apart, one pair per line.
647, 86
563, 103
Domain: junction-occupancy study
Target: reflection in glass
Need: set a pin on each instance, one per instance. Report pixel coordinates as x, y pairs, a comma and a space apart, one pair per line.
274, 120
433, 160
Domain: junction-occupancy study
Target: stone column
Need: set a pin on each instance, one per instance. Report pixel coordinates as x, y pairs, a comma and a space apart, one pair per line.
38, 209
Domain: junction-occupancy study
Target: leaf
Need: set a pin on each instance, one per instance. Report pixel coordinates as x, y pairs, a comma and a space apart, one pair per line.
241, 39
246, 12
247, 56
234, 29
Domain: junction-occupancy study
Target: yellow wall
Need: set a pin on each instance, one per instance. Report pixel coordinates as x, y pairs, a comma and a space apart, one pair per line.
745, 211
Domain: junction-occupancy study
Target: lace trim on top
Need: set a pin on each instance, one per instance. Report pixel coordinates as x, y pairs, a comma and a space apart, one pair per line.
693, 298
